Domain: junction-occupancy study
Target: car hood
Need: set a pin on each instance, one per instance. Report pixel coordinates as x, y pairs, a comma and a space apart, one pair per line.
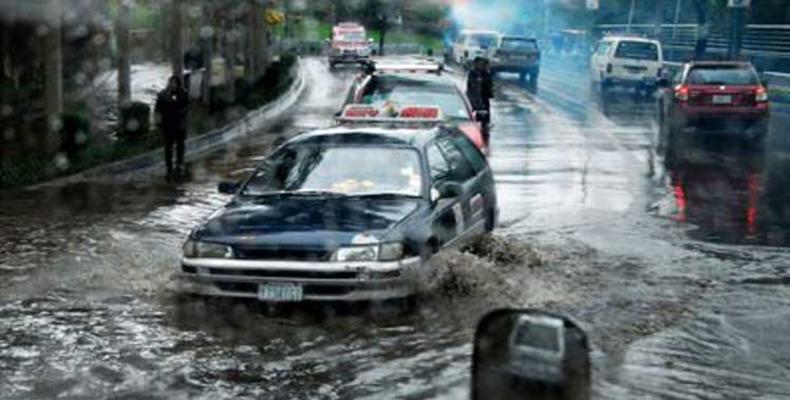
304, 221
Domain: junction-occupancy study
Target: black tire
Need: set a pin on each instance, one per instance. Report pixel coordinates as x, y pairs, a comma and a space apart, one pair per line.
522, 76
332, 65
490, 224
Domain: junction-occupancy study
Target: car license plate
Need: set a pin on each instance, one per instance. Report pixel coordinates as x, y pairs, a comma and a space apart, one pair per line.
280, 292
722, 99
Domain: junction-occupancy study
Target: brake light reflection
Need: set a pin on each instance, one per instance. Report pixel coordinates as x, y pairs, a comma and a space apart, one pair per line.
751, 210
682, 93
680, 200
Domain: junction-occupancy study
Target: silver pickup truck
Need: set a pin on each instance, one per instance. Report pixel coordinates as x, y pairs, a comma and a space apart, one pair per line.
517, 54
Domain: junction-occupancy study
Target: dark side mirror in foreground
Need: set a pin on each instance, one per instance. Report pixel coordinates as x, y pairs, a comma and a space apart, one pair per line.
228, 187
530, 354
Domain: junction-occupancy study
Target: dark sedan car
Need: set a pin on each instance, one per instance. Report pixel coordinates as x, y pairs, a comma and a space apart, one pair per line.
343, 215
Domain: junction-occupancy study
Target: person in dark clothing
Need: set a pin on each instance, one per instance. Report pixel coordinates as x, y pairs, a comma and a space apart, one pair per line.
172, 105
480, 91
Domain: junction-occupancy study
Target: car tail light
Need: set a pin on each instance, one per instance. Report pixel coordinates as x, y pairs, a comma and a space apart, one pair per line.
682, 93
608, 68
761, 94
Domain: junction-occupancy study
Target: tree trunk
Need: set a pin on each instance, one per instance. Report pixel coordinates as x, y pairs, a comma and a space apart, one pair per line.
176, 33
257, 41
659, 18
230, 60
53, 77
383, 34
124, 64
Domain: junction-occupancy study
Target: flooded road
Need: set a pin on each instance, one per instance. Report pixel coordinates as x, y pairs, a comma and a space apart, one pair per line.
678, 270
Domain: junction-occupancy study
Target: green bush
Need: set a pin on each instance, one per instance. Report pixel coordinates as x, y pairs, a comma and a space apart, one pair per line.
135, 121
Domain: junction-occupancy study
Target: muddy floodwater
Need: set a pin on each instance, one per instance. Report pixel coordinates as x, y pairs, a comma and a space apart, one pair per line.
678, 270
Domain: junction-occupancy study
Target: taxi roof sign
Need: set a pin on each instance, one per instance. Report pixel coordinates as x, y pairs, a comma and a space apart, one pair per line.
408, 115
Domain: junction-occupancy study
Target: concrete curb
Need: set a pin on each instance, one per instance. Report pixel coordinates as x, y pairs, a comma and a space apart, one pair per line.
197, 146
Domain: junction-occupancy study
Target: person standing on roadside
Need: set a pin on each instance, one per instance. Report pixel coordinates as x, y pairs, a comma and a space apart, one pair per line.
172, 106
480, 91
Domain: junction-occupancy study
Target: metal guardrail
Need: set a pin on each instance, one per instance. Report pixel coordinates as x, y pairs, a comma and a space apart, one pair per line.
764, 40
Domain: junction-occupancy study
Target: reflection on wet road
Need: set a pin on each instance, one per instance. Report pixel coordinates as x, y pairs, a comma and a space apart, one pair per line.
87, 309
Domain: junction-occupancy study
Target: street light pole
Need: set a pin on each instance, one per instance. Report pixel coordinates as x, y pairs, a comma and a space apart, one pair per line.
630, 16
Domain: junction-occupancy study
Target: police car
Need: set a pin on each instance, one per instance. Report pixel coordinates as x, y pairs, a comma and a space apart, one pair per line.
389, 85
345, 214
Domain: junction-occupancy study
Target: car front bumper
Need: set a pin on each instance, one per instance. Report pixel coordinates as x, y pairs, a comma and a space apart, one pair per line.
320, 281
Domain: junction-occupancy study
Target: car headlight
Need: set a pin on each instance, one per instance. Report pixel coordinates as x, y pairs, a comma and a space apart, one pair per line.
390, 251
196, 249
380, 252
357, 253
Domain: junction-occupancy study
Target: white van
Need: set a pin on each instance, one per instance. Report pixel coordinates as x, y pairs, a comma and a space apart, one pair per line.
624, 61
471, 44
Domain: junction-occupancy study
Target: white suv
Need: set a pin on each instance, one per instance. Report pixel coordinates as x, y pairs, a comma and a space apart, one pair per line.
625, 61
471, 44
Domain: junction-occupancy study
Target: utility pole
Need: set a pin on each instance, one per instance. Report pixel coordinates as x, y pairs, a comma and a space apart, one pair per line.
659, 19
53, 76
737, 10
177, 39
122, 38
630, 16
546, 16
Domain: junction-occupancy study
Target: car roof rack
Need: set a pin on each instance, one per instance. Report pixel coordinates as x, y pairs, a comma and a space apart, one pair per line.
406, 117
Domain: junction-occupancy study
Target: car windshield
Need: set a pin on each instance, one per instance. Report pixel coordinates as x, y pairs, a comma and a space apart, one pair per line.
637, 51
333, 169
519, 44
400, 91
483, 40
350, 36
722, 75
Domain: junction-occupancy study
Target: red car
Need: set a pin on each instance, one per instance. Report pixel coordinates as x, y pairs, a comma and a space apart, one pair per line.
718, 96
390, 86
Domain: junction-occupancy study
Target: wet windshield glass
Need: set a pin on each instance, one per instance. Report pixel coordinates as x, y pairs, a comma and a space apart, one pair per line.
519, 44
354, 36
721, 76
637, 51
405, 91
350, 170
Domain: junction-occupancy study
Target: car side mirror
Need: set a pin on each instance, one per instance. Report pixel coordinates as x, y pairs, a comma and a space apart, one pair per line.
446, 190
228, 187
530, 354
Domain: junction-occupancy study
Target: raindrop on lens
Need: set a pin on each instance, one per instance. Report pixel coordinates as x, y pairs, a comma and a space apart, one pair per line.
132, 125
61, 161
9, 134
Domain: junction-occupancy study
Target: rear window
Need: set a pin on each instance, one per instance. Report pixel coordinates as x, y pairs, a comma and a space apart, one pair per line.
402, 91
722, 75
483, 40
637, 51
519, 44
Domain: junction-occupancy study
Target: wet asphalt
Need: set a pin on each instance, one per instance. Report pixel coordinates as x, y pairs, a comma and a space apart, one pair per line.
679, 269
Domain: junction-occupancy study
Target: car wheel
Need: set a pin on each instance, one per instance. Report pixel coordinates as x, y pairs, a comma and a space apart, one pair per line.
490, 221
332, 65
